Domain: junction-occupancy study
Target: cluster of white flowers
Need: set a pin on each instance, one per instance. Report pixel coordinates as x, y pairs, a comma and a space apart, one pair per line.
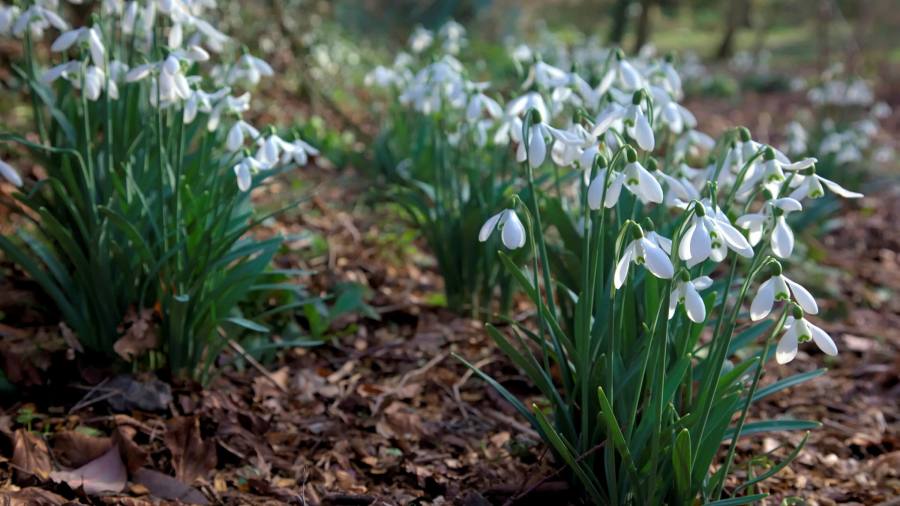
188, 40
632, 107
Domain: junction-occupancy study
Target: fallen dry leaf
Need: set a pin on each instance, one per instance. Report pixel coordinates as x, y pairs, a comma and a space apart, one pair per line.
106, 473
75, 449
138, 334
30, 454
166, 487
192, 457
133, 455
31, 496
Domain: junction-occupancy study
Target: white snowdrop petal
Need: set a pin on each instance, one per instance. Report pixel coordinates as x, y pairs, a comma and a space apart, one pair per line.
693, 304
823, 340
489, 226
763, 301
513, 234
622, 267
10, 174
782, 238
803, 297
787, 347
657, 261
839, 190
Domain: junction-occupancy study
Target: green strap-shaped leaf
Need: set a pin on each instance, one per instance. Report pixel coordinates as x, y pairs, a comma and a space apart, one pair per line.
737, 501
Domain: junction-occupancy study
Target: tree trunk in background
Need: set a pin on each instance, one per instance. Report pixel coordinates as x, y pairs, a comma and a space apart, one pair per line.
643, 27
620, 20
733, 17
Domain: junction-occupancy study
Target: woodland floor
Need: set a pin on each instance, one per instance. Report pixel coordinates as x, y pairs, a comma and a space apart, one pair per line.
385, 414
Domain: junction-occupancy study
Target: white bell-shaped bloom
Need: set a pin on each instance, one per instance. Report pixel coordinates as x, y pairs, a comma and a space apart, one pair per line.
811, 186
298, 152
596, 199
512, 232
639, 128
91, 36
644, 252
531, 100
481, 104
773, 219
244, 171
708, 236
799, 330
780, 288
642, 184
10, 174
612, 114
421, 39
687, 293
235, 139
534, 147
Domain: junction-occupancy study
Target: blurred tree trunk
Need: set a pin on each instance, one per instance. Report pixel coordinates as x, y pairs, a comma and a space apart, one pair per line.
736, 16
643, 27
620, 20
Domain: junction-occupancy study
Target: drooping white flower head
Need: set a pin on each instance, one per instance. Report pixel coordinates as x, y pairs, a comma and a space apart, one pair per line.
709, 235
799, 330
780, 288
643, 251
772, 220
512, 232
686, 293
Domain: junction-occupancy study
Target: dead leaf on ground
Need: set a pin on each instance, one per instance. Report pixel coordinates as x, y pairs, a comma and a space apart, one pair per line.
166, 487
30, 454
75, 449
192, 457
138, 334
133, 455
31, 496
106, 473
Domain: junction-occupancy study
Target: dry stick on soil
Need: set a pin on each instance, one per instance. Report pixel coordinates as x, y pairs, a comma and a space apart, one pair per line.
86, 401
406, 377
462, 381
252, 361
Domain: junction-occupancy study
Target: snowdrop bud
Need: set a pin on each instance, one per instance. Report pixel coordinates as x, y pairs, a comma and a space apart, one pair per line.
796, 311
630, 154
744, 134
535, 116
769, 154
652, 164
637, 97
235, 138
10, 174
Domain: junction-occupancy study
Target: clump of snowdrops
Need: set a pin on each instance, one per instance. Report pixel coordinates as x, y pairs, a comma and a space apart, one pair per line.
445, 157
140, 228
657, 258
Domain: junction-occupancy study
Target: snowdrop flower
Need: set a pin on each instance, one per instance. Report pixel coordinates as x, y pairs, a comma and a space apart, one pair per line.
771, 171
229, 105
235, 139
546, 76
708, 235
686, 292
38, 18
640, 181
780, 288
530, 100
808, 184
512, 232
480, 104
8, 16
608, 117
643, 251
613, 189
799, 330
638, 125
244, 171
91, 36
681, 190
774, 211
677, 117
421, 39
10, 174
249, 69
534, 147
628, 76
299, 152
454, 36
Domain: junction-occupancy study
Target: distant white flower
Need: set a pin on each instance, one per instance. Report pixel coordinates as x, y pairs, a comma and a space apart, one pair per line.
421, 39
91, 36
780, 288
244, 171
811, 186
708, 235
479, 104
38, 18
249, 69
686, 292
299, 152
10, 174
235, 139
534, 147
644, 252
512, 232
799, 330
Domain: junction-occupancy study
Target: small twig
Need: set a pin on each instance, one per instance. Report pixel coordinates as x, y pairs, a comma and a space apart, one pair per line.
84, 402
253, 362
512, 422
462, 381
405, 379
